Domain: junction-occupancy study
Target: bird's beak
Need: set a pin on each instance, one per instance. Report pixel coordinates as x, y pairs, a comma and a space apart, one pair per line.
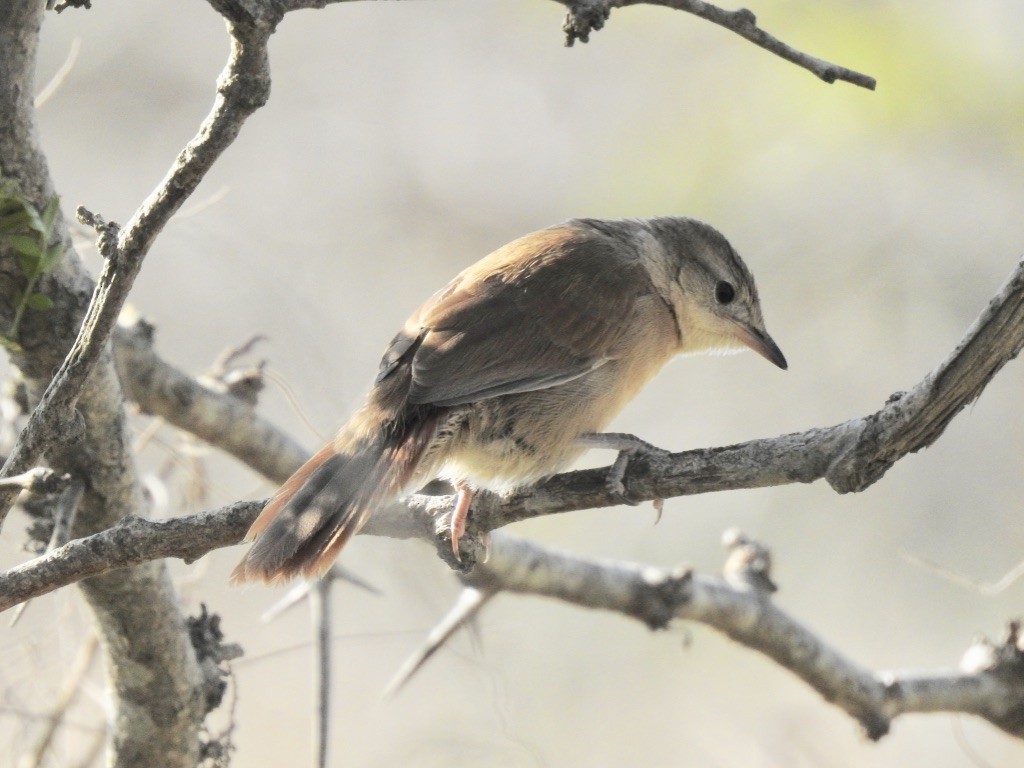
762, 343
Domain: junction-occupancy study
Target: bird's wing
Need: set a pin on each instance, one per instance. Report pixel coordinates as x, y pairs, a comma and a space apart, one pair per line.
515, 322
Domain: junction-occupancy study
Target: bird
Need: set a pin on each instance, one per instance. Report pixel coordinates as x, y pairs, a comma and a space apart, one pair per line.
510, 372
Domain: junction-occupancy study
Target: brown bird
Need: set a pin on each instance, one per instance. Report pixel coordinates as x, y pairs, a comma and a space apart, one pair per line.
511, 371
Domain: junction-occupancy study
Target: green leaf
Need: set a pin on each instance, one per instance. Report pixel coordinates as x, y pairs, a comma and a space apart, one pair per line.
26, 245
28, 265
50, 258
14, 221
34, 220
39, 301
50, 213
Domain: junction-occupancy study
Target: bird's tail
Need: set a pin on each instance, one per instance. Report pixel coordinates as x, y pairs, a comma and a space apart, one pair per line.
303, 527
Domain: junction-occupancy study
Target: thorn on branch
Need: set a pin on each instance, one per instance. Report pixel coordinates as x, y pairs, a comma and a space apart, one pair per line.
302, 590
467, 607
582, 18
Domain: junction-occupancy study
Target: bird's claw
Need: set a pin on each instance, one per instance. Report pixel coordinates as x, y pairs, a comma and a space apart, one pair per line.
628, 446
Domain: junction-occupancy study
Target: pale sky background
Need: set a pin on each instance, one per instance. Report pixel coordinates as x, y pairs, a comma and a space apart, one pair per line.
404, 141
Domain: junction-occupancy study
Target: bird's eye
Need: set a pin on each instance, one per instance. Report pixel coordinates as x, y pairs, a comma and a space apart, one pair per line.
724, 292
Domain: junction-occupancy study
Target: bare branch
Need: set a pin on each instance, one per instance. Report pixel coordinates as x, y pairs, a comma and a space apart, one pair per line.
69, 691
181, 400
851, 456
242, 89
585, 16
989, 684
468, 605
37, 480
320, 618
151, 668
134, 541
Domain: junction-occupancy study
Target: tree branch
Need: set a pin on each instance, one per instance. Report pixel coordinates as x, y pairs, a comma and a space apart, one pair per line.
851, 456
224, 421
585, 16
989, 684
155, 710
244, 86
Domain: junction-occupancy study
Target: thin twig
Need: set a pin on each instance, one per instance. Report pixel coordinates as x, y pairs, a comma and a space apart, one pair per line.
320, 617
243, 88
64, 512
470, 602
65, 698
1006, 581
585, 16
302, 590
60, 75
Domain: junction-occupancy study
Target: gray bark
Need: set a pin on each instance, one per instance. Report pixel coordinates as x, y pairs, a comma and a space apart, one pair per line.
153, 678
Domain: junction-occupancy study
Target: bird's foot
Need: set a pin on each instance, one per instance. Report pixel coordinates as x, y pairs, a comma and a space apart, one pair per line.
459, 518
457, 526
628, 446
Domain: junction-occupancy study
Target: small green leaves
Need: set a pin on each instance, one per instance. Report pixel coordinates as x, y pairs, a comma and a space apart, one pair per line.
25, 245
38, 301
28, 233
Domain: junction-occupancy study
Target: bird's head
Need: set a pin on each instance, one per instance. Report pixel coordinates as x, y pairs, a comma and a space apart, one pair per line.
708, 287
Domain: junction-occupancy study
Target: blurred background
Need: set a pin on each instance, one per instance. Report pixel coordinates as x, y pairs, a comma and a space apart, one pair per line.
402, 142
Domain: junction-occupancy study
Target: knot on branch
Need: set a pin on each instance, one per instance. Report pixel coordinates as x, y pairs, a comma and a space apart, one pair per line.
1004, 661
252, 13
212, 653
663, 593
749, 564
865, 457
53, 5
582, 18
107, 231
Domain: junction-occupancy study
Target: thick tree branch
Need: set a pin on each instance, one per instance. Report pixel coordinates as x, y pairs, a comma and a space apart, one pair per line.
585, 16
156, 706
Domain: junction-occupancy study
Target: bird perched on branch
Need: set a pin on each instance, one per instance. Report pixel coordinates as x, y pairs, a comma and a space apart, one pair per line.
511, 371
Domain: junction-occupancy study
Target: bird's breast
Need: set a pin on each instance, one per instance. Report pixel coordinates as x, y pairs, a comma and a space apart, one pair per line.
515, 440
